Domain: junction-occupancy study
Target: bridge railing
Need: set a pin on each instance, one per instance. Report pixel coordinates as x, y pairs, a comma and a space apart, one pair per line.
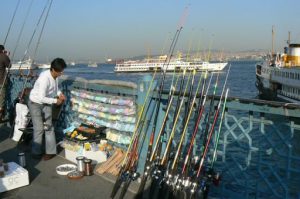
258, 154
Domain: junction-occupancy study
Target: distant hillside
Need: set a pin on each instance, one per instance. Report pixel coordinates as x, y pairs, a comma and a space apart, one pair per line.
215, 55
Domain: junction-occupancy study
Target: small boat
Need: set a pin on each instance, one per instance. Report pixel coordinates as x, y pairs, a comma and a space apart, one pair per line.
92, 64
160, 63
278, 77
43, 66
23, 65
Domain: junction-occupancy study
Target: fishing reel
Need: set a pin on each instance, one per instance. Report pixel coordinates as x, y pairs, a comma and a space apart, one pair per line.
186, 182
135, 176
168, 178
147, 170
199, 189
213, 176
178, 184
157, 173
194, 186
195, 162
172, 180
125, 175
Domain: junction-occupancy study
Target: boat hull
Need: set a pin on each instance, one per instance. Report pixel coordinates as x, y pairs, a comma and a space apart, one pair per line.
152, 67
277, 84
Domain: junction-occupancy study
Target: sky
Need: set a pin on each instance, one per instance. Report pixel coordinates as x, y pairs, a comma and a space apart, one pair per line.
95, 30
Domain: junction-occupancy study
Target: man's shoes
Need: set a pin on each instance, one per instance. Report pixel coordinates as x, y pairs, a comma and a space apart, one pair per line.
36, 156
48, 156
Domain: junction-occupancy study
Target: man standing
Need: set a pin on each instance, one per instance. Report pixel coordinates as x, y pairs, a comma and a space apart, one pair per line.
4, 63
44, 94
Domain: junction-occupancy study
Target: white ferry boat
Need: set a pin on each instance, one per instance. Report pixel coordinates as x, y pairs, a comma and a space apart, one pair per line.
44, 66
278, 77
23, 65
150, 65
94, 64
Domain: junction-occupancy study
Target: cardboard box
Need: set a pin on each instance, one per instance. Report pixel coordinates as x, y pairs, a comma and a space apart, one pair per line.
96, 156
15, 177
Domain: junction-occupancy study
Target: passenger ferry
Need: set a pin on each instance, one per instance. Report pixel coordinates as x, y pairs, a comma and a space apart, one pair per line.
278, 77
23, 65
160, 63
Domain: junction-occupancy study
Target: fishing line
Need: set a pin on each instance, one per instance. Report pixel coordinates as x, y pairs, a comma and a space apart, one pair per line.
172, 91
175, 122
187, 121
219, 130
135, 134
11, 22
42, 30
21, 30
196, 126
18, 40
164, 70
29, 71
33, 34
212, 127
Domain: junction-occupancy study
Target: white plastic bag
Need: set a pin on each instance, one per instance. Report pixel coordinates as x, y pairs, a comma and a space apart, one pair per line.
21, 120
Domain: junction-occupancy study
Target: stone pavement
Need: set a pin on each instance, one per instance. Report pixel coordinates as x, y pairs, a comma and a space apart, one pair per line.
46, 183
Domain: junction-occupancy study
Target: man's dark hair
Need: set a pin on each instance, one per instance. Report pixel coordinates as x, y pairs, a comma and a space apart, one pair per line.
58, 65
2, 48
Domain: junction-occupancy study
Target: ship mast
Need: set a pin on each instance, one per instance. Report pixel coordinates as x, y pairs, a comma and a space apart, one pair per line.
272, 40
289, 39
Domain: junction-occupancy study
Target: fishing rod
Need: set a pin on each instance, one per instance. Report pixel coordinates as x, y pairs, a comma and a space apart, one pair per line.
11, 22
210, 111
33, 34
29, 43
126, 160
149, 158
160, 168
191, 108
131, 173
21, 30
178, 107
41, 33
183, 180
196, 126
219, 131
122, 170
18, 40
164, 69
207, 140
170, 99
172, 179
158, 144
201, 185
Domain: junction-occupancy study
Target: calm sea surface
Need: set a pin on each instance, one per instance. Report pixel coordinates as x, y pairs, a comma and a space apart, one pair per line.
241, 80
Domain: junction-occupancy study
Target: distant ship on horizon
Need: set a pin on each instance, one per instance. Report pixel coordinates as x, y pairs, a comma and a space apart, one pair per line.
160, 63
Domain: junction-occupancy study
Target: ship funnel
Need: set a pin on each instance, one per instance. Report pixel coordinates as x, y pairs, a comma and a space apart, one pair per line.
293, 55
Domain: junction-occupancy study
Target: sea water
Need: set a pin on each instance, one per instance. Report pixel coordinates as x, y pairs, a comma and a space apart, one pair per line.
241, 80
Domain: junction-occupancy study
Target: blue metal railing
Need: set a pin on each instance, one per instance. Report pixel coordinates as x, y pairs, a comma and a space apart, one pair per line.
258, 153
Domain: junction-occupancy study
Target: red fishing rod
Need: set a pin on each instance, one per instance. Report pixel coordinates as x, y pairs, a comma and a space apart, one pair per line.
200, 184
149, 158
172, 177
124, 169
183, 181
196, 126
